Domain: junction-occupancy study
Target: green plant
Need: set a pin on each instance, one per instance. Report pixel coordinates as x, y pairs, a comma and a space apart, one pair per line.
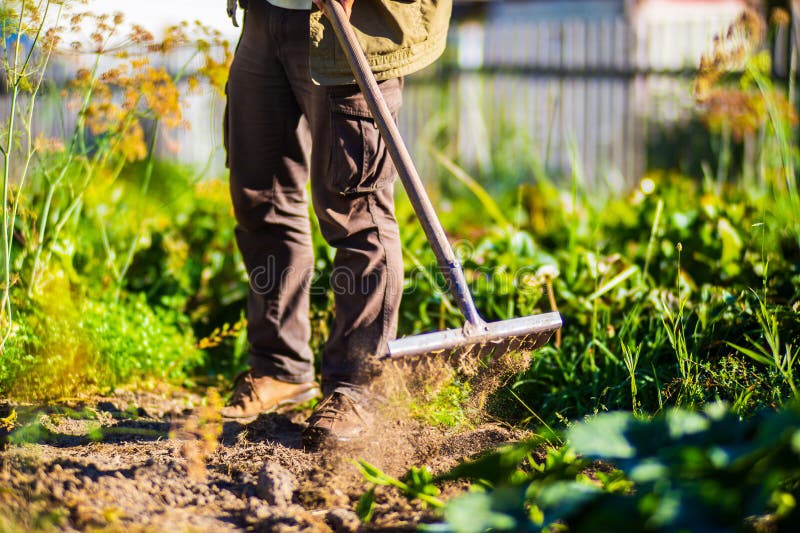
445, 406
631, 360
782, 358
78, 209
674, 325
416, 484
681, 470
109, 136
24, 73
95, 346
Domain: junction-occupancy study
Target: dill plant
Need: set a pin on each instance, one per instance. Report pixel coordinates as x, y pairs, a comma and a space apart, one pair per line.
68, 320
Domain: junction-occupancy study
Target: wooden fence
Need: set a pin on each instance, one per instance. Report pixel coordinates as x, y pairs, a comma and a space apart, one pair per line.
578, 89
584, 86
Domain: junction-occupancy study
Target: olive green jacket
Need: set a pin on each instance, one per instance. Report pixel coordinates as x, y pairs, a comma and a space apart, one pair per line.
398, 36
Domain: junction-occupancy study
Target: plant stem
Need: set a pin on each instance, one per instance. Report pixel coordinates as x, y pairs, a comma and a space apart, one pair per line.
14, 76
51, 190
6, 222
651, 242
148, 174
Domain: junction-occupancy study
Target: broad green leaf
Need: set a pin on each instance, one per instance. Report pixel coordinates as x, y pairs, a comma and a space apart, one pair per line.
648, 471
719, 457
565, 498
731, 241
603, 436
495, 467
366, 505
473, 513
681, 422
666, 509
717, 410
521, 243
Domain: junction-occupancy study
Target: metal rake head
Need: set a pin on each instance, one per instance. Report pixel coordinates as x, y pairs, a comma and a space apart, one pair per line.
479, 343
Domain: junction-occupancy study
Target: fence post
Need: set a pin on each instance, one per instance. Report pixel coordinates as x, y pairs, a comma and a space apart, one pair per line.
473, 139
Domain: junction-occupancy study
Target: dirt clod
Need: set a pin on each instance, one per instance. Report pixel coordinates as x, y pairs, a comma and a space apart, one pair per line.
342, 520
291, 519
276, 485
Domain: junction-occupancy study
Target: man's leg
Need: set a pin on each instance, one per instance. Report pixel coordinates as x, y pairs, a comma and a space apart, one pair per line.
268, 172
352, 187
353, 193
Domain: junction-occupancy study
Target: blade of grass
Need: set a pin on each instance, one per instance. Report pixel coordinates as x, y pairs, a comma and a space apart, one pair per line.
613, 282
475, 188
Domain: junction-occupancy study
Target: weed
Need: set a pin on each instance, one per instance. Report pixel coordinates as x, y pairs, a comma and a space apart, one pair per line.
780, 357
416, 484
445, 407
86, 352
60, 243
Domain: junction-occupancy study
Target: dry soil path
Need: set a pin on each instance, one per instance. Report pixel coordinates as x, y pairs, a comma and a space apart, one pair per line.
163, 462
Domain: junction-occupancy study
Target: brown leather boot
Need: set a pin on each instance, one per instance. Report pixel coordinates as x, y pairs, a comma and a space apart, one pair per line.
336, 419
255, 394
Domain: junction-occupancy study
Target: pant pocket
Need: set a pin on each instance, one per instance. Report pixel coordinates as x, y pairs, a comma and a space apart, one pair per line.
360, 162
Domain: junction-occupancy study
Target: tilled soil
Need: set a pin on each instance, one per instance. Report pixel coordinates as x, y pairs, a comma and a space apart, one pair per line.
163, 462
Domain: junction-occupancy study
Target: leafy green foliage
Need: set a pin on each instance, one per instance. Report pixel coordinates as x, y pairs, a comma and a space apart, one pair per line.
77, 209
680, 471
68, 346
416, 484
624, 287
189, 262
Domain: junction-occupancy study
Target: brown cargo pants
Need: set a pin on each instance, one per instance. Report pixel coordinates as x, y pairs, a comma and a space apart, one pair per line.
267, 141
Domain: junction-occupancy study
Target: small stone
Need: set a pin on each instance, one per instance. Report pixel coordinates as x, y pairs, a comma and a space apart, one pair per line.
262, 513
58, 491
107, 406
276, 485
342, 520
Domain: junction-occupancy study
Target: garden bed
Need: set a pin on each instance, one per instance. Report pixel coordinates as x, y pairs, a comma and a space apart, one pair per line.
152, 461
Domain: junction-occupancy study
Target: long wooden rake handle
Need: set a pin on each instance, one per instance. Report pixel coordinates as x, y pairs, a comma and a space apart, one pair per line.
423, 207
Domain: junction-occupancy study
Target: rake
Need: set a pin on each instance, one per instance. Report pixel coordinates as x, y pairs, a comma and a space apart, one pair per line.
477, 338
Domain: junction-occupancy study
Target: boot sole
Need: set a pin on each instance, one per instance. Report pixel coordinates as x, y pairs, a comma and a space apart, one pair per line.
316, 439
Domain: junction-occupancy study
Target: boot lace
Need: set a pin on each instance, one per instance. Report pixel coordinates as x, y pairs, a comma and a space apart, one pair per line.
243, 388
336, 407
